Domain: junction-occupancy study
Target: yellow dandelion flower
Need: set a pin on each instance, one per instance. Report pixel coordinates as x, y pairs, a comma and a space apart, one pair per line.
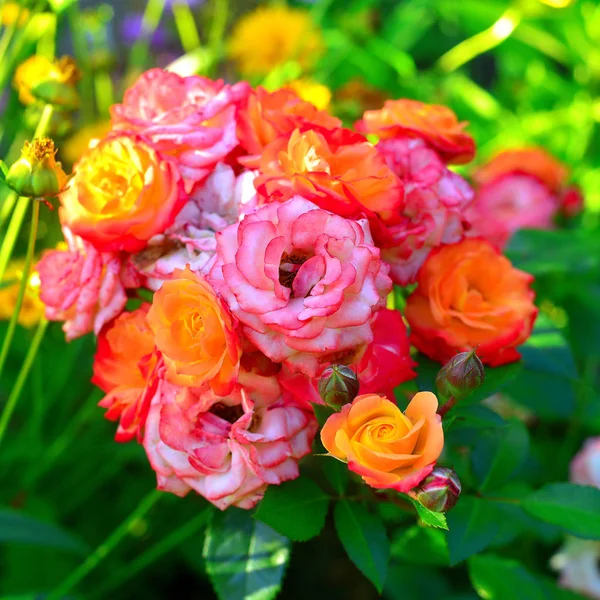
10, 13
79, 142
32, 309
271, 36
312, 91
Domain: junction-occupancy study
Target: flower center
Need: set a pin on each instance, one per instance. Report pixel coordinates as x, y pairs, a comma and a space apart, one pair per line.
228, 413
289, 266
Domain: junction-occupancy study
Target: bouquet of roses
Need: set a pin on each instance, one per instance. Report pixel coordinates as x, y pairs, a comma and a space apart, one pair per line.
233, 247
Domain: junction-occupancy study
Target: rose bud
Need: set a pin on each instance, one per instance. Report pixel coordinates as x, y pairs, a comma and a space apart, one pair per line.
439, 491
338, 385
460, 376
37, 174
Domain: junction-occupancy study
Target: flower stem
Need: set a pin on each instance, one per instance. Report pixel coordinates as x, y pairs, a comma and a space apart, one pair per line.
144, 560
217, 29
150, 22
186, 26
111, 542
21, 378
442, 410
10, 239
12, 325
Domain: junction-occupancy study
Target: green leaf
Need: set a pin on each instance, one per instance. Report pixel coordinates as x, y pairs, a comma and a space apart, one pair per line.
59, 6
499, 578
297, 509
498, 453
575, 508
473, 525
337, 474
429, 517
15, 527
363, 536
322, 412
421, 545
244, 558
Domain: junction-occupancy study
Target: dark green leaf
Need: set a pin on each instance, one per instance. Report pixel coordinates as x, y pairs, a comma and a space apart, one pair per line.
575, 508
472, 524
244, 558
363, 536
297, 509
337, 474
15, 527
498, 579
322, 412
498, 453
421, 545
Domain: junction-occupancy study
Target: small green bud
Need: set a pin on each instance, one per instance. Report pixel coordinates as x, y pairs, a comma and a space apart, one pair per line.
439, 491
338, 385
460, 376
37, 174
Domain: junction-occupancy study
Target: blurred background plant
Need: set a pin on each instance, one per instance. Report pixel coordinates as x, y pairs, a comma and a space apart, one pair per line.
522, 73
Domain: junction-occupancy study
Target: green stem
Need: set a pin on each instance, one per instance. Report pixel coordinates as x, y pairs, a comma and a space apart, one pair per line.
150, 21
482, 42
111, 542
186, 26
12, 325
9, 241
21, 378
217, 29
144, 560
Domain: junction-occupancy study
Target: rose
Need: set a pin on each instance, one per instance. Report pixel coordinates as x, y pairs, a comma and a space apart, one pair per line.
433, 211
468, 296
269, 115
195, 333
83, 287
226, 449
122, 193
191, 240
336, 169
388, 448
125, 368
536, 162
303, 283
190, 119
509, 203
585, 467
437, 125
577, 561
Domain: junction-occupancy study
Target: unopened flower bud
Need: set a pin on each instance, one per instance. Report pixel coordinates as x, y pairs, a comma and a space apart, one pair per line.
460, 376
439, 491
37, 174
338, 385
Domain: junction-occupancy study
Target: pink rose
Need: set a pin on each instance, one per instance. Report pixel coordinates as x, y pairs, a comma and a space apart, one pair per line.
434, 205
191, 241
304, 283
385, 364
83, 287
192, 119
227, 449
585, 467
509, 203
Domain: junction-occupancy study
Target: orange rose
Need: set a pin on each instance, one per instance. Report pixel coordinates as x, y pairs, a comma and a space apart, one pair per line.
122, 193
529, 161
435, 124
124, 367
336, 169
268, 115
195, 333
468, 296
388, 448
